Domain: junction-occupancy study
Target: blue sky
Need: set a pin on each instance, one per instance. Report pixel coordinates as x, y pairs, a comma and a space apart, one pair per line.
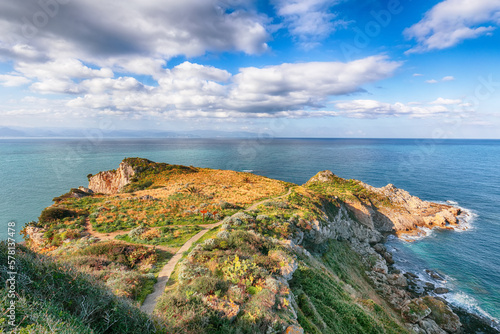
293, 68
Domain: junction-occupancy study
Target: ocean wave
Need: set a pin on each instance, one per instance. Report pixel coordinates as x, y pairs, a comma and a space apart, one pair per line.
455, 296
468, 303
405, 262
248, 170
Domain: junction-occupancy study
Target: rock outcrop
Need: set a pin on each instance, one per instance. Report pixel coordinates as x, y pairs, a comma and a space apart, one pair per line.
112, 182
36, 238
388, 209
407, 212
364, 216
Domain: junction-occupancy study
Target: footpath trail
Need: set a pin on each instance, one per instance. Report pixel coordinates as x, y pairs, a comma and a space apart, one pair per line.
111, 236
255, 205
150, 303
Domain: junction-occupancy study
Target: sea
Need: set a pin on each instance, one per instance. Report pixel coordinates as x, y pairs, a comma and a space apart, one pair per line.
464, 173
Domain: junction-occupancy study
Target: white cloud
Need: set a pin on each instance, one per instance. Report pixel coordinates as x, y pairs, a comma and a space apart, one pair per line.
292, 86
193, 89
452, 21
8, 80
448, 78
61, 68
376, 109
442, 101
417, 74
431, 81
116, 36
309, 20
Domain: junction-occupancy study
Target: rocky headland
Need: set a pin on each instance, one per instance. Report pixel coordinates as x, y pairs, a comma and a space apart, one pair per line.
298, 259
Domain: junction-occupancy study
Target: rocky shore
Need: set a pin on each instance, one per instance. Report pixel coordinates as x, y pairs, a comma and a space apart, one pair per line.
389, 210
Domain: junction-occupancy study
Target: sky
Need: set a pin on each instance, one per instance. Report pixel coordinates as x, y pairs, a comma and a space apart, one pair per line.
280, 68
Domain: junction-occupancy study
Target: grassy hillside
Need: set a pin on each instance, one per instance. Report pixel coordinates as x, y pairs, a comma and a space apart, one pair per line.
57, 298
274, 265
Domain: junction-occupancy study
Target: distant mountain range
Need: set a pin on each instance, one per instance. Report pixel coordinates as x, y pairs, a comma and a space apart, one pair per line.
19, 132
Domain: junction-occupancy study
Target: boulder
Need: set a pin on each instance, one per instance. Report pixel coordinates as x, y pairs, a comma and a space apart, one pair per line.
430, 327
443, 315
415, 310
294, 329
441, 290
35, 234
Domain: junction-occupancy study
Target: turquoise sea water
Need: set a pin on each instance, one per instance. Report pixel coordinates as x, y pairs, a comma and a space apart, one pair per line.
32, 172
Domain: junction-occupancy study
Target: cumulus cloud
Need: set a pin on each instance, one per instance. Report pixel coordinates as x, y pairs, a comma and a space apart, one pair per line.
443, 101
376, 109
452, 21
309, 20
444, 79
98, 32
8, 80
273, 90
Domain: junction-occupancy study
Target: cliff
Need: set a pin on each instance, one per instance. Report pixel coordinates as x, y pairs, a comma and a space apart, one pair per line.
279, 257
387, 209
112, 182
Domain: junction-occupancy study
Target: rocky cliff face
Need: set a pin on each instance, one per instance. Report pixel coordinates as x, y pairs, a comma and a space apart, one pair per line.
112, 182
405, 213
390, 209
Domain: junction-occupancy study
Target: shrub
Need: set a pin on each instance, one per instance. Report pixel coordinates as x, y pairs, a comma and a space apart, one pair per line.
140, 185
50, 215
240, 271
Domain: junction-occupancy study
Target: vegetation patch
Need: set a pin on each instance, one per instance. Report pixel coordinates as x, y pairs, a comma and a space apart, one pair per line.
66, 298
325, 306
166, 236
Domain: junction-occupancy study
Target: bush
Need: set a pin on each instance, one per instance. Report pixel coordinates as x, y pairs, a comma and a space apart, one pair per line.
50, 215
141, 185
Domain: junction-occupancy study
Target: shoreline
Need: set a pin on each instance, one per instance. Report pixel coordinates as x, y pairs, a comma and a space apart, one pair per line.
474, 321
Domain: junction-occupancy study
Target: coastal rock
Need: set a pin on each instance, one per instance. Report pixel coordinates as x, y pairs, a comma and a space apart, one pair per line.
390, 209
430, 327
294, 329
404, 213
441, 290
112, 182
35, 234
85, 190
415, 310
290, 263
434, 274
398, 280
323, 176
443, 315
415, 329
341, 227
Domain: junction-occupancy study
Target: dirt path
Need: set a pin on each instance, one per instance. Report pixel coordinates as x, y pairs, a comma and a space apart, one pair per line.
111, 236
254, 206
150, 303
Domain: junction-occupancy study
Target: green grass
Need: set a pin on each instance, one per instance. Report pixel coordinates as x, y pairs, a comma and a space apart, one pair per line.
167, 236
325, 306
63, 296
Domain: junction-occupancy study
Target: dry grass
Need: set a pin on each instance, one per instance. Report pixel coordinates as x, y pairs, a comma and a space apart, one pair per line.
223, 185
